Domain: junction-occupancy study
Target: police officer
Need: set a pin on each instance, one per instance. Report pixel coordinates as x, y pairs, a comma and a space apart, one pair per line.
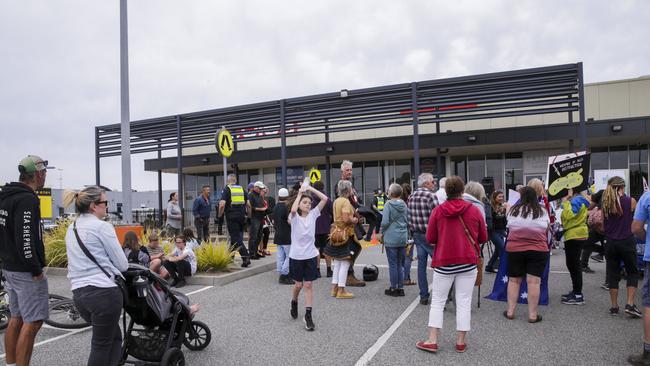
23, 258
378, 202
233, 204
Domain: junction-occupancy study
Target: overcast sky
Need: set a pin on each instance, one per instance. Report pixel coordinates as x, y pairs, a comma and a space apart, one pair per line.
59, 70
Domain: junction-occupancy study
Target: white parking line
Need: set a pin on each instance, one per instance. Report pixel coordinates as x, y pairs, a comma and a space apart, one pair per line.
77, 331
372, 351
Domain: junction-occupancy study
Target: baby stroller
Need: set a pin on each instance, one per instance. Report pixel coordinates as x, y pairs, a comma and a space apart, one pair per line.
164, 321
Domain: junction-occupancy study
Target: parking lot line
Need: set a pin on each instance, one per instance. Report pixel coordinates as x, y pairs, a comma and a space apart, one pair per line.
76, 331
372, 351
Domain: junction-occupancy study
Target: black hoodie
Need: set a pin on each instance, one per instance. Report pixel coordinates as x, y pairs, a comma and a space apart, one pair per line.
21, 234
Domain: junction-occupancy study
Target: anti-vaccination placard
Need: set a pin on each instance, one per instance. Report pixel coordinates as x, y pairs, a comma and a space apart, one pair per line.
567, 171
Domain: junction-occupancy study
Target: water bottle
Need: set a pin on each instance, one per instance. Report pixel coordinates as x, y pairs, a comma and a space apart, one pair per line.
140, 286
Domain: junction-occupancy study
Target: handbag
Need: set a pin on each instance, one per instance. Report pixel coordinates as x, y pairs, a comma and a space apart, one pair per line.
479, 265
119, 280
338, 234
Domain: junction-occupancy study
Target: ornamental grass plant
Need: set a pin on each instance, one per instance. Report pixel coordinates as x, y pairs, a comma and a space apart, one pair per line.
213, 256
54, 242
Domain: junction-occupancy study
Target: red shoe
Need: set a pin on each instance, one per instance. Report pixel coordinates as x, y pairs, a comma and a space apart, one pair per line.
460, 348
429, 347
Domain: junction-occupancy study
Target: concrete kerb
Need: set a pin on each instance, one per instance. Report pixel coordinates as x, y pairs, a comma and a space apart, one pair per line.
205, 279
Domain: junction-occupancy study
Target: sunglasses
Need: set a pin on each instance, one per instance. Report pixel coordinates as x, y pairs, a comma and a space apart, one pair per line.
100, 202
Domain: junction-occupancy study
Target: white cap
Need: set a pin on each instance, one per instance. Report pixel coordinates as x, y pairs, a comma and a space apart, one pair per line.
259, 184
283, 193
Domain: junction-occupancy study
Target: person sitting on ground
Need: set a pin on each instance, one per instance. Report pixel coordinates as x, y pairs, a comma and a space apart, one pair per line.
618, 209
192, 241
527, 251
394, 228
133, 249
180, 264
156, 253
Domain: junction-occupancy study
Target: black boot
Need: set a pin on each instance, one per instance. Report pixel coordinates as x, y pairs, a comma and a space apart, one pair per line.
642, 359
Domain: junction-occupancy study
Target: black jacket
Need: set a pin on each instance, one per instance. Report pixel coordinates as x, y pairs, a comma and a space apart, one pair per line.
21, 234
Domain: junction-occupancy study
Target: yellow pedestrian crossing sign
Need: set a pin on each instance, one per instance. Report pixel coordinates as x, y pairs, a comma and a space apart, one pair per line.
224, 143
314, 175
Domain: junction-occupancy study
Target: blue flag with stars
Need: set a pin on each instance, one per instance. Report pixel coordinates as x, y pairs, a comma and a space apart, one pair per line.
500, 288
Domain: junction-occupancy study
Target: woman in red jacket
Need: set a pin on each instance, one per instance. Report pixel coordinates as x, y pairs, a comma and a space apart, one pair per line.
455, 229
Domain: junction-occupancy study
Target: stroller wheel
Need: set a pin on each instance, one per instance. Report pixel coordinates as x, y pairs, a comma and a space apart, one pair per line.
173, 357
197, 336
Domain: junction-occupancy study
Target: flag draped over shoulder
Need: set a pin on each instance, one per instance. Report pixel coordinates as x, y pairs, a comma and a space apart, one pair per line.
500, 287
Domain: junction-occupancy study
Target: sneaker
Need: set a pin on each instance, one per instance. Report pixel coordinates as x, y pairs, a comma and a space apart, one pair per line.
598, 258
400, 292
587, 270
294, 309
180, 283
425, 301
391, 292
566, 296
613, 311
309, 323
245, 263
604, 286
633, 311
574, 299
642, 359
490, 270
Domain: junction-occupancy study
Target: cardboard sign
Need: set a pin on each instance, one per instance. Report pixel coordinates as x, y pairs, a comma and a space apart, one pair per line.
601, 176
567, 171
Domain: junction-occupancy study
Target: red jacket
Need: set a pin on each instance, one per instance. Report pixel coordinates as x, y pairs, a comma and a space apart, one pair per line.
446, 232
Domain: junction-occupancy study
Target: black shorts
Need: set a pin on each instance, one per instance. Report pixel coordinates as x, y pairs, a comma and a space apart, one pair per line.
303, 269
529, 262
321, 241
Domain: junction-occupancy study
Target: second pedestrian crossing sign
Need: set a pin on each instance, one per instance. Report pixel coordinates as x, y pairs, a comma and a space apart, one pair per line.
314, 175
224, 143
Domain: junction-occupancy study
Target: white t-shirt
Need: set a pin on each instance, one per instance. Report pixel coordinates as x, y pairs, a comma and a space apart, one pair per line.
191, 257
302, 235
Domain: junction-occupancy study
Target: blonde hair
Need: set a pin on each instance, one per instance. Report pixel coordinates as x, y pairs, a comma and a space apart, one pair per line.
611, 202
537, 185
83, 198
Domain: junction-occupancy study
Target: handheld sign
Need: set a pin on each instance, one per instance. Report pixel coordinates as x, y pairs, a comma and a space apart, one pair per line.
314, 175
224, 143
567, 171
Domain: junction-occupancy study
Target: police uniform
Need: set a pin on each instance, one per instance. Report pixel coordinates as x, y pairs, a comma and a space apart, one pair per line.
378, 201
235, 212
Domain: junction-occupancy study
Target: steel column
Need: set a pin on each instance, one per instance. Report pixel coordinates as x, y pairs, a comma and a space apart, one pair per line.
581, 96
97, 158
127, 212
160, 195
179, 169
328, 183
416, 136
283, 148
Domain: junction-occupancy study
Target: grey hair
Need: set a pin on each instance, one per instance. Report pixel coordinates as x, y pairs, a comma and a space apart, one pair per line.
83, 198
232, 179
344, 187
475, 189
346, 163
441, 182
395, 190
424, 178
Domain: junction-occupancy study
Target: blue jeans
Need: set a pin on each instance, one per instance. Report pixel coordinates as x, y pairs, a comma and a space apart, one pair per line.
498, 239
425, 250
282, 259
408, 259
396, 266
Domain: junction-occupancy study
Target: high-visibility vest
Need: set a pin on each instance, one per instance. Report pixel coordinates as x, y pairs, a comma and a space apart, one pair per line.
236, 195
380, 203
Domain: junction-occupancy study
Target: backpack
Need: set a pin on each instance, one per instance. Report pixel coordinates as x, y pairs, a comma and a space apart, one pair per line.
596, 221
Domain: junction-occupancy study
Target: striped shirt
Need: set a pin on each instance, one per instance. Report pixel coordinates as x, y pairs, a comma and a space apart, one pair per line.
419, 207
454, 269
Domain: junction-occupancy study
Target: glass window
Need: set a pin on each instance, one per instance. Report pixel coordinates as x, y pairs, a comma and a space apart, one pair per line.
371, 180
190, 183
599, 159
494, 169
402, 172
476, 167
459, 165
513, 178
514, 161
357, 179
618, 157
638, 154
637, 173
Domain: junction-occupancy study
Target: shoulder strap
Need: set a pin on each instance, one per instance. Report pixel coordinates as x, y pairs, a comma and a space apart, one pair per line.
85, 250
469, 236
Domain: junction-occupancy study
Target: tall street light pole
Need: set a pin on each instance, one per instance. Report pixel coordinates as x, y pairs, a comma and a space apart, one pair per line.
124, 107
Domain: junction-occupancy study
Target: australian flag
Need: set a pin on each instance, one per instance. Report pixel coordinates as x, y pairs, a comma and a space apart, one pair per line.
500, 288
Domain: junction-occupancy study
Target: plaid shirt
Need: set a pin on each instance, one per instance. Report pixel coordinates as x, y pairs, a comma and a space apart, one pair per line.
420, 205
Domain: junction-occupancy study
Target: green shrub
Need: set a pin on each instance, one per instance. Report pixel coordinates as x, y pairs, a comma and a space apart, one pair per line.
214, 256
54, 241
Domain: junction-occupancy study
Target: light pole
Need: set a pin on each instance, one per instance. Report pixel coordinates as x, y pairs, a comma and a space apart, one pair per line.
124, 108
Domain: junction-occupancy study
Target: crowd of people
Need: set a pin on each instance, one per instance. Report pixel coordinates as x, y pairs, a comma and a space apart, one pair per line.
444, 228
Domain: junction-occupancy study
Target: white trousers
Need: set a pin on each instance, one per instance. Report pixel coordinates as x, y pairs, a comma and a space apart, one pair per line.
340, 272
463, 288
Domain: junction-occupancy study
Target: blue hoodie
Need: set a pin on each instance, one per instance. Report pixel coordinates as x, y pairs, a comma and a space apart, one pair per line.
394, 224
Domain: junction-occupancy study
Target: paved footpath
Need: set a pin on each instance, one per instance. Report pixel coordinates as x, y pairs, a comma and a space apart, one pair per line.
251, 325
